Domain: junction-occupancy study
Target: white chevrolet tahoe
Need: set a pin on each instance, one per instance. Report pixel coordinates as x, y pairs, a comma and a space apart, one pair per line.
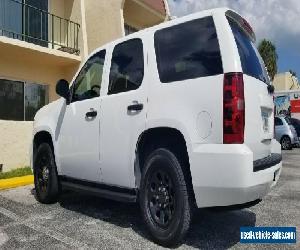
174, 117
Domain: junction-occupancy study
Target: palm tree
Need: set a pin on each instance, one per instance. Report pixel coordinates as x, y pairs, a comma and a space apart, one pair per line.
268, 53
293, 73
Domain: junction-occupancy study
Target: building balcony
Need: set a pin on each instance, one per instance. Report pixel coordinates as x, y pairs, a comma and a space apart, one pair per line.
29, 21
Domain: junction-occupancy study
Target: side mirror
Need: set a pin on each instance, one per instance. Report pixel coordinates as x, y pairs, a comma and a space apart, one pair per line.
62, 89
271, 89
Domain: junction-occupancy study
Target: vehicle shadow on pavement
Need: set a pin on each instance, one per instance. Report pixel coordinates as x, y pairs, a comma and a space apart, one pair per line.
210, 229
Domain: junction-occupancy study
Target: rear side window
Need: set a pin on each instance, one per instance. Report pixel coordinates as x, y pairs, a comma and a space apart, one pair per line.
127, 67
278, 121
187, 51
295, 121
252, 64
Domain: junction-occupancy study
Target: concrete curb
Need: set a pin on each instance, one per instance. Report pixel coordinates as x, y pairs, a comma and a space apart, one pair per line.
16, 182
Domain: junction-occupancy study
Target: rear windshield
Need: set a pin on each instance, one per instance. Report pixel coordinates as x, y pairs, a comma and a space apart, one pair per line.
251, 61
187, 51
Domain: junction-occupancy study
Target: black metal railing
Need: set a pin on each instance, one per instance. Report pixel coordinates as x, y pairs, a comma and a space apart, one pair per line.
25, 22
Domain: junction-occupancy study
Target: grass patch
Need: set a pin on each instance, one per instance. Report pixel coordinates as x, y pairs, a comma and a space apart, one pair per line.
18, 172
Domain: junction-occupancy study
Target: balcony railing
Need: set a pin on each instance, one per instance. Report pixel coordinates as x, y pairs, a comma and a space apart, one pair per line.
28, 23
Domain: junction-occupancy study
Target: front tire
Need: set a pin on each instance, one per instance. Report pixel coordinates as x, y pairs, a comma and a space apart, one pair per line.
164, 198
45, 175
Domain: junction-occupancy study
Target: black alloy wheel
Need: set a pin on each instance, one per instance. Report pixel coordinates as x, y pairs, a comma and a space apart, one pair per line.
161, 197
164, 198
45, 175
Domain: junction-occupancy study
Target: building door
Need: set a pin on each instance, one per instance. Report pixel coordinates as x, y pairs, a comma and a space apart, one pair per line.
78, 139
35, 24
25, 20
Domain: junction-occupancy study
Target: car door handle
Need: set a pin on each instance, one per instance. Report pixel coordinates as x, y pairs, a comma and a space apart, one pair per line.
91, 114
135, 107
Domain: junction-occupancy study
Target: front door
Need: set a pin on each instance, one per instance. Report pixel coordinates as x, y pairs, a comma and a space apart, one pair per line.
123, 113
78, 140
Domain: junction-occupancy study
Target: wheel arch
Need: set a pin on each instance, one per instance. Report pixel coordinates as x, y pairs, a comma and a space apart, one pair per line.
168, 137
42, 136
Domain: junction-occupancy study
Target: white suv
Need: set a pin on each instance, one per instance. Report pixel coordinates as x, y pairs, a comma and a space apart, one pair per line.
176, 116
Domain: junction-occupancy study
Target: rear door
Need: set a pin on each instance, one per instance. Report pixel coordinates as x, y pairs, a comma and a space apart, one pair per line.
259, 107
123, 112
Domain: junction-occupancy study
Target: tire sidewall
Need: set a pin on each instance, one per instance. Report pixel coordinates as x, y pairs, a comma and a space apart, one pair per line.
173, 168
52, 187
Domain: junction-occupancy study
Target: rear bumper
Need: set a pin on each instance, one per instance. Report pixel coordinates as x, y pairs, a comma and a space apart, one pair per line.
225, 175
267, 162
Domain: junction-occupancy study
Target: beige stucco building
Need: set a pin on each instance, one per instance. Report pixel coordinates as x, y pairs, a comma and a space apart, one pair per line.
42, 41
285, 81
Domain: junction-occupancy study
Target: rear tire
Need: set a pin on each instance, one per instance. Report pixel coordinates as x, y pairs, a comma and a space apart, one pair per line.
164, 198
45, 175
286, 143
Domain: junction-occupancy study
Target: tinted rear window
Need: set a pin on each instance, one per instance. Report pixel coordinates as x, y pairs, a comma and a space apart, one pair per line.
251, 62
187, 51
295, 121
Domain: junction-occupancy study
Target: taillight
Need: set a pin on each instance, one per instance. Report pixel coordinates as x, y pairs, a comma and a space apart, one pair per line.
233, 108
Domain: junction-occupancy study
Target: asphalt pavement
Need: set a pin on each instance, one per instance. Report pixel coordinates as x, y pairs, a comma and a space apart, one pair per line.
86, 222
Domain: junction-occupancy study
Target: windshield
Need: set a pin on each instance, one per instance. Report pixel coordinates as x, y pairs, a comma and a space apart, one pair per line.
252, 64
288, 120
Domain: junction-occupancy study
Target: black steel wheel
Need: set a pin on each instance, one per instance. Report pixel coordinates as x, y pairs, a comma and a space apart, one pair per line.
45, 175
164, 198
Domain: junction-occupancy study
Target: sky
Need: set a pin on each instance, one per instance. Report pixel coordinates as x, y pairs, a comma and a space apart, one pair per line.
275, 20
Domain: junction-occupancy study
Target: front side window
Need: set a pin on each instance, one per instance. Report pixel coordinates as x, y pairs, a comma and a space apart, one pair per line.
188, 51
278, 121
88, 82
19, 101
127, 67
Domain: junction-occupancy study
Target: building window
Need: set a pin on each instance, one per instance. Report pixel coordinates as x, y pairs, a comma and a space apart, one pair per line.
25, 20
129, 29
19, 101
11, 100
35, 21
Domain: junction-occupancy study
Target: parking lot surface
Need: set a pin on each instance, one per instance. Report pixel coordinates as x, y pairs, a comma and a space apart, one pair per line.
86, 222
